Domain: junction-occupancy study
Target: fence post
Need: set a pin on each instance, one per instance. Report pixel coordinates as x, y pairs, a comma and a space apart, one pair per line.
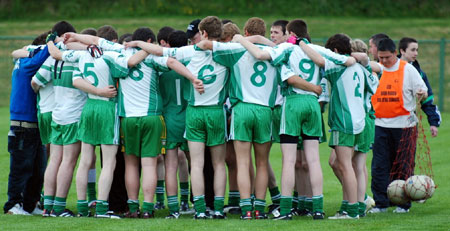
441, 74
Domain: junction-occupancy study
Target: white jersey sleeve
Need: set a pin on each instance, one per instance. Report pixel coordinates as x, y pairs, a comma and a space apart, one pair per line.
110, 46
182, 54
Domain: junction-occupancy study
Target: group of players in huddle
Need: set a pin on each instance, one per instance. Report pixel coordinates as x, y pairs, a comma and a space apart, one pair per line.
228, 92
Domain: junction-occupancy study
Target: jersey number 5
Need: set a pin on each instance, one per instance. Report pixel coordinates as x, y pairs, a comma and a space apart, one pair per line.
88, 73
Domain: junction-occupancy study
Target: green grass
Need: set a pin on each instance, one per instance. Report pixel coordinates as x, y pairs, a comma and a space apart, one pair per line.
319, 28
433, 215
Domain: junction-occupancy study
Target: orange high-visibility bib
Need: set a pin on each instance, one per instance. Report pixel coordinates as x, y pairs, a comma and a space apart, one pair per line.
388, 99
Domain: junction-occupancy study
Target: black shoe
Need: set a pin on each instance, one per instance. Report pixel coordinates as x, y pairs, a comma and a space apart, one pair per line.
200, 216
260, 215
129, 214
318, 216
65, 213
87, 215
232, 209
247, 216
108, 214
159, 205
147, 215
174, 215
283, 217
303, 212
184, 208
295, 212
219, 216
273, 207
46, 213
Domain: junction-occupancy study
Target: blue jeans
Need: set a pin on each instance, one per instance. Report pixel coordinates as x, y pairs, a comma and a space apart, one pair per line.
27, 167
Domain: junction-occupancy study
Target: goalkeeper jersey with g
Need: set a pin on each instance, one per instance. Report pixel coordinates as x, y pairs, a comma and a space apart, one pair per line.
139, 91
301, 64
348, 84
252, 80
201, 64
100, 72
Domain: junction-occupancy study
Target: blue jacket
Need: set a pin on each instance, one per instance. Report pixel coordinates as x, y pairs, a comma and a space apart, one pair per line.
22, 104
431, 110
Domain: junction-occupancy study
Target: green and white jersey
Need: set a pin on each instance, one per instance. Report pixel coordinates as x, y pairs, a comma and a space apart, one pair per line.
202, 65
252, 80
46, 95
69, 100
139, 92
346, 112
301, 64
171, 86
325, 96
370, 89
99, 71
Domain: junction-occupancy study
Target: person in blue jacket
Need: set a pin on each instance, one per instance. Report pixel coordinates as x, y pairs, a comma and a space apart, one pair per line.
28, 159
408, 50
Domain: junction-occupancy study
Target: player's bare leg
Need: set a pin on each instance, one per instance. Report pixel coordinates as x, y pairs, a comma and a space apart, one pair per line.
65, 174
132, 183
289, 151
218, 153
87, 157
243, 156
149, 178
183, 176
262, 178
106, 176
171, 167
311, 148
233, 189
50, 175
359, 166
197, 157
349, 183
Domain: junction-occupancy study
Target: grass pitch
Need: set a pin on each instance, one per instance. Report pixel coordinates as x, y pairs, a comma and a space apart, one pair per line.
432, 215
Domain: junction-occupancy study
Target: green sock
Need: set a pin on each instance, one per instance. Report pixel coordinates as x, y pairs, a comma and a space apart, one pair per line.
148, 207
285, 205
260, 205
160, 191
301, 202
309, 204
275, 195
60, 204
246, 205
133, 205
295, 200
101, 207
218, 204
184, 191
82, 207
317, 203
343, 206
233, 198
361, 208
199, 204
48, 202
91, 192
352, 209
172, 202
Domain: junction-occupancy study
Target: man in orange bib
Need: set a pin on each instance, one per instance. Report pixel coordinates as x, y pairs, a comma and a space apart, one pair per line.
394, 103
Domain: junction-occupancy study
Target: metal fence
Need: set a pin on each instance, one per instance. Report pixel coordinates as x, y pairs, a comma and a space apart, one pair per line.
433, 56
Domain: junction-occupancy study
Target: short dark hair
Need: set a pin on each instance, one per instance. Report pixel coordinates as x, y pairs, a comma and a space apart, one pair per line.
225, 21
107, 32
63, 27
404, 43
281, 23
386, 44
143, 34
40, 39
377, 37
125, 37
299, 28
163, 33
89, 31
177, 38
340, 42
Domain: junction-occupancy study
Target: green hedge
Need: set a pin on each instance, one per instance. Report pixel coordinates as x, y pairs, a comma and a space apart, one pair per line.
21, 9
